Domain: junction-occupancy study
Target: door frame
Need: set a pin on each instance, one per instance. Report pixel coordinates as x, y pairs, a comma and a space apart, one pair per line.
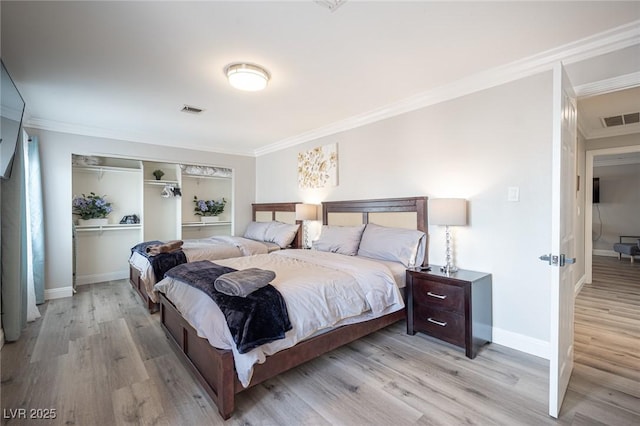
588, 204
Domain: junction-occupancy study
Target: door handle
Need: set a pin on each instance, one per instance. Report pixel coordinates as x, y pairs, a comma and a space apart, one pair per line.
561, 260
551, 259
564, 260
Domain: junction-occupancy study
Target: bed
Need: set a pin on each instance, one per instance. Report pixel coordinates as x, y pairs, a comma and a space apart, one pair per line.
141, 274
215, 368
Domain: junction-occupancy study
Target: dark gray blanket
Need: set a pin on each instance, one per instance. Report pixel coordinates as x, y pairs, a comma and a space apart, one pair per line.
162, 262
260, 317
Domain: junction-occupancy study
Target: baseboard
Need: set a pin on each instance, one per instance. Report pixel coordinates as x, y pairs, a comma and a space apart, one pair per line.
601, 252
58, 293
100, 278
579, 285
522, 343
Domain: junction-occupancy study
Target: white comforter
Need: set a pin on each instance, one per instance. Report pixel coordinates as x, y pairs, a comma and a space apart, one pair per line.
321, 290
212, 248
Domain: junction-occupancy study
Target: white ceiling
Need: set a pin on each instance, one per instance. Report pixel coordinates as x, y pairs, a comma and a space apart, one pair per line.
593, 109
125, 69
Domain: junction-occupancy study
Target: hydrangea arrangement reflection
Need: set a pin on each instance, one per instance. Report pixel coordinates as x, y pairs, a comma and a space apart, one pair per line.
208, 207
91, 206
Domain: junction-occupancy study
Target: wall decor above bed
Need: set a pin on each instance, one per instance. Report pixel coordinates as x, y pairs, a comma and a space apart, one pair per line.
318, 167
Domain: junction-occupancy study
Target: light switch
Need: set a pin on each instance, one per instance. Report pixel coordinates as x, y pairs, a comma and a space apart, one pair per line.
513, 193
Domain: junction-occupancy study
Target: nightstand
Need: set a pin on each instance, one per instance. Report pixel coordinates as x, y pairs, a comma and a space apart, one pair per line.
455, 308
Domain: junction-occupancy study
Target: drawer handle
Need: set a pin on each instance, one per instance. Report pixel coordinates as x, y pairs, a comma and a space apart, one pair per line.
437, 296
436, 322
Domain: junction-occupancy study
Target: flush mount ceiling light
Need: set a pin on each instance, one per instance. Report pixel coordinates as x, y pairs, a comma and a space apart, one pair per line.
332, 5
247, 77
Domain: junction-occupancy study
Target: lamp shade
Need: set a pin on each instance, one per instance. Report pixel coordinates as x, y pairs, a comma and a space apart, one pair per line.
448, 211
247, 77
306, 212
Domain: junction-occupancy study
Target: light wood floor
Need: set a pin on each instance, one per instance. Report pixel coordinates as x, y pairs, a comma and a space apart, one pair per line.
99, 359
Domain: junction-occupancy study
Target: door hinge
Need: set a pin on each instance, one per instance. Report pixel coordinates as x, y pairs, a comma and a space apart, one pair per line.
561, 260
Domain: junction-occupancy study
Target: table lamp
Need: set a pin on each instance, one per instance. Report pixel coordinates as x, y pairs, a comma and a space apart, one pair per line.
306, 212
448, 212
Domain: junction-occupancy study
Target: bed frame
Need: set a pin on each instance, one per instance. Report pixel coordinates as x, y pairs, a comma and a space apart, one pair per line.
276, 209
214, 368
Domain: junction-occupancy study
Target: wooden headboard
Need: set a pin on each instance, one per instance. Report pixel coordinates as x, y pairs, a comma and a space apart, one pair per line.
282, 212
409, 213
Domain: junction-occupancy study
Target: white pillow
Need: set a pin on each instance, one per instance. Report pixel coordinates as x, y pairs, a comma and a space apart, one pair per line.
399, 245
339, 239
257, 230
281, 233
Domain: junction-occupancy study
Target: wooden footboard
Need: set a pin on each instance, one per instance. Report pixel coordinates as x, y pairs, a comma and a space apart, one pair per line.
137, 284
214, 368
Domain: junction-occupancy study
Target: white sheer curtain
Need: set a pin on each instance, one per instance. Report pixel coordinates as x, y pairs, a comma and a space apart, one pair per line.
22, 241
30, 210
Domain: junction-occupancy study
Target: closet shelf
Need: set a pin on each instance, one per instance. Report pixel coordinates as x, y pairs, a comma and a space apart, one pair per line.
102, 169
198, 177
199, 224
160, 182
110, 227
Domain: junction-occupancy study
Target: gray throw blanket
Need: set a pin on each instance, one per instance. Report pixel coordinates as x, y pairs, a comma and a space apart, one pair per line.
161, 262
260, 317
244, 282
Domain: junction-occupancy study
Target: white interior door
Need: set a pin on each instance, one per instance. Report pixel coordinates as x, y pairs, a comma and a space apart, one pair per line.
563, 238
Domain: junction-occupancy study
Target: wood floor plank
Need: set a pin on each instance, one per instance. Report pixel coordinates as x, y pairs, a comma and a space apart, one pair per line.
146, 333
120, 355
183, 400
273, 402
54, 336
86, 392
138, 404
342, 398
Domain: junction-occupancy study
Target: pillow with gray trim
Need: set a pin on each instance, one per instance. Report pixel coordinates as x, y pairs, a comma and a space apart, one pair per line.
281, 233
257, 231
339, 239
406, 246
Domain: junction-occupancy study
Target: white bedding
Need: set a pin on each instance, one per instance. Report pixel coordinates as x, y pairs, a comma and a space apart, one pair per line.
321, 290
212, 248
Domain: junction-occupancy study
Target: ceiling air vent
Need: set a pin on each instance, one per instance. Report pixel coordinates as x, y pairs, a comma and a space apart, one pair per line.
191, 109
621, 120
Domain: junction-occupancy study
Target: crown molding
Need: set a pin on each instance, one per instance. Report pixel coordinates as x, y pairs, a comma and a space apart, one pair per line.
629, 129
615, 161
76, 129
623, 82
595, 45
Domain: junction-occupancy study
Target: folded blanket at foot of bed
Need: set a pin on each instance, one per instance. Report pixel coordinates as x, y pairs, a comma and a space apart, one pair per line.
142, 247
167, 247
244, 282
161, 262
260, 317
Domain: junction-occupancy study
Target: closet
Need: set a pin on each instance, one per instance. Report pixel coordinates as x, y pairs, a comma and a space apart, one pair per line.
163, 208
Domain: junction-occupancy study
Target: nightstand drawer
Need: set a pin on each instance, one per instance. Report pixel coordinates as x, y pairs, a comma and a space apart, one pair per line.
434, 294
443, 325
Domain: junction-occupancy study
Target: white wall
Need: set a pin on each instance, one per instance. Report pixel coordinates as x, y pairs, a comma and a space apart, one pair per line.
56, 149
473, 147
